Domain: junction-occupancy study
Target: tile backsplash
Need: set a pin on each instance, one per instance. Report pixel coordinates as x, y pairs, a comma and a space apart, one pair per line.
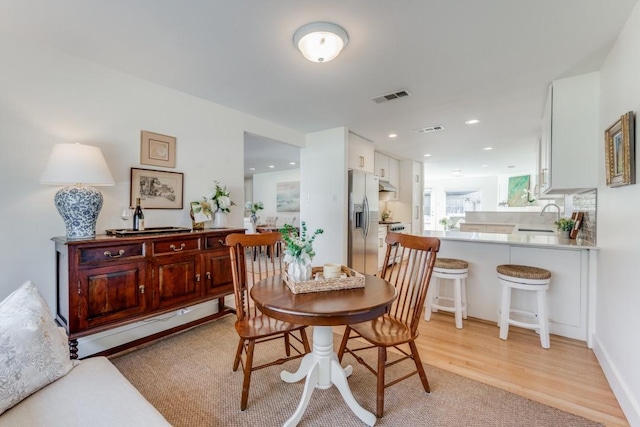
587, 203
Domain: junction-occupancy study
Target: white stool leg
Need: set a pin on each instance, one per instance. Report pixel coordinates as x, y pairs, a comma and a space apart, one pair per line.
543, 319
436, 294
504, 313
464, 298
457, 302
428, 301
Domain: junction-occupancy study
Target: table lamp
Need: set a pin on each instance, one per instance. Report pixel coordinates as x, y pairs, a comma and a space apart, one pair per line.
76, 166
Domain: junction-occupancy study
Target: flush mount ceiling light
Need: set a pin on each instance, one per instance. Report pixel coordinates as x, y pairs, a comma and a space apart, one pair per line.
472, 122
320, 41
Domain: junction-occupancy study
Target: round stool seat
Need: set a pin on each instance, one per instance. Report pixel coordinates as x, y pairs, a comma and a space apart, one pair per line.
524, 278
455, 271
451, 264
523, 272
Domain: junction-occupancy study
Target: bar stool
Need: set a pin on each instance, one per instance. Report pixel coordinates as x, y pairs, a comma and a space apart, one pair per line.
527, 279
457, 271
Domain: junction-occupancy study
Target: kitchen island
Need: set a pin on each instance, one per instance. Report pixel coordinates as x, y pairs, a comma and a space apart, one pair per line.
571, 263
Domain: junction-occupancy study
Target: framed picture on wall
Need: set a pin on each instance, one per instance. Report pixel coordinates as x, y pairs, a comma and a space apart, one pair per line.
157, 149
619, 151
288, 196
157, 189
518, 192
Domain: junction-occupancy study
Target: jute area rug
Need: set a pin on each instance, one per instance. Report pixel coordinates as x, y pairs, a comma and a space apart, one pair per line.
188, 378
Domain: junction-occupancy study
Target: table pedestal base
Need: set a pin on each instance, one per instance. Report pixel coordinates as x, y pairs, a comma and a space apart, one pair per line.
322, 369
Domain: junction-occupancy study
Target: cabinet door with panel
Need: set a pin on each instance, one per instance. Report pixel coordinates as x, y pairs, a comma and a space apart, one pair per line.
381, 162
216, 264
360, 154
108, 294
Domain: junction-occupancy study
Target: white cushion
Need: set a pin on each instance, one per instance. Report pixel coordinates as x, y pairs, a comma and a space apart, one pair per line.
93, 394
33, 349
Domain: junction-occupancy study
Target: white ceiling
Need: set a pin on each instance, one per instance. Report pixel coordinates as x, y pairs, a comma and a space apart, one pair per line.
487, 59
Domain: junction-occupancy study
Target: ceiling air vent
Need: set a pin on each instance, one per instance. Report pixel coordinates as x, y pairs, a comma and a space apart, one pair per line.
429, 129
390, 96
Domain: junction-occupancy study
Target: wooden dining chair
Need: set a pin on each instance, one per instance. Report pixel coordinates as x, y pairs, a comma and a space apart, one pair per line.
399, 326
252, 326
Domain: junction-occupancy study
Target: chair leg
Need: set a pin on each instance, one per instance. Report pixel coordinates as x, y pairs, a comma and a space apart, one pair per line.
236, 361
287, 344
419, 367
305, 340
343, 344
382, 357
247, 375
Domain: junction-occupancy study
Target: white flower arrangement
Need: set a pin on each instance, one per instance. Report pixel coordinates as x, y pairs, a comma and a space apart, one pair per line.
221, 198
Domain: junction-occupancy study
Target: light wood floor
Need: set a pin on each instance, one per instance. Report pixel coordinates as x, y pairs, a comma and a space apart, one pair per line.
567, 376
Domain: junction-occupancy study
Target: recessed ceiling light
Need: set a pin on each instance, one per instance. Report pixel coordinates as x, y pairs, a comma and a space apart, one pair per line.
427, 155
457, 172
472, 122
487, 148
393, 135
252, 169
511, 167
292, 163
485, 166
271, 166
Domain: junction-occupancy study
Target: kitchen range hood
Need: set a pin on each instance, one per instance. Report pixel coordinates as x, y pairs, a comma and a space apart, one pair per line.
386, 186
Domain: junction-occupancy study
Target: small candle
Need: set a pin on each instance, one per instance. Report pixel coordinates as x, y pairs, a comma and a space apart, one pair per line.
331, 271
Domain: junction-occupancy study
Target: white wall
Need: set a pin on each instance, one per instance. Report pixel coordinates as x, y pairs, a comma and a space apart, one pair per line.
323, 192
264, 190
47, 97
617, 341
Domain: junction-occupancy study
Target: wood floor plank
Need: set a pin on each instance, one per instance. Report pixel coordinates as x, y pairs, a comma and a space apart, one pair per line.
567, 376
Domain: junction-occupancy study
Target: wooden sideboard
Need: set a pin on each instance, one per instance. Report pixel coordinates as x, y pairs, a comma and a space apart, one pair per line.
106, 282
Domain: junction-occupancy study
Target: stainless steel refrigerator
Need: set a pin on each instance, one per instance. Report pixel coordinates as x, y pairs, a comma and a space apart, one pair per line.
363, 222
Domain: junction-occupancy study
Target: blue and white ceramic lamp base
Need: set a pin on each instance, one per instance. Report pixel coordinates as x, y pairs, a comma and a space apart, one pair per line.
79, 207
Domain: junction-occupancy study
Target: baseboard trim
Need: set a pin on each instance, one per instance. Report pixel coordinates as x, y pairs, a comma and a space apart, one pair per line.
628, 403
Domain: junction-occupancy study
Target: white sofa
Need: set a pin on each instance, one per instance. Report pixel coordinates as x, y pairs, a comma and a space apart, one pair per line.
40, 386
94, 393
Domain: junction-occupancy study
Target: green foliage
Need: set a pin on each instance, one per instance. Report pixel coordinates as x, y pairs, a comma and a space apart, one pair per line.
298, 246
565, 224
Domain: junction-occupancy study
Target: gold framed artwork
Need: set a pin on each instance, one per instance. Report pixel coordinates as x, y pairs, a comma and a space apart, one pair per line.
157, 149
619, 151
157, 189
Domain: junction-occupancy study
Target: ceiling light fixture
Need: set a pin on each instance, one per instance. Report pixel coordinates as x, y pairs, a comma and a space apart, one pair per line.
292, 163
320, 41
488, 148
271, 166
472, 122
427, 155
393, 135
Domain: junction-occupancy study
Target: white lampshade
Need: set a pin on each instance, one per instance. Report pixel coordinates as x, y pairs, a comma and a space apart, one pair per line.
74, 165
320, 41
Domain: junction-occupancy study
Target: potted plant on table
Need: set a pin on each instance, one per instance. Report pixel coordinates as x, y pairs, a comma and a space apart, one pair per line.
565, 225
298, 251
254, 207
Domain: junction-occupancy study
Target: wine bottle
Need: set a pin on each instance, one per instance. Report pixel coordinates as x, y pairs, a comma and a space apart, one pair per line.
138, 217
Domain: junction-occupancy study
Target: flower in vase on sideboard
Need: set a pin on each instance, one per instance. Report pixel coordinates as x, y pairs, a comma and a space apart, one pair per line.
221, 201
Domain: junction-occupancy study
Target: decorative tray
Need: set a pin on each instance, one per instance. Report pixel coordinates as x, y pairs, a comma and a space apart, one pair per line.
350, 279
151, 230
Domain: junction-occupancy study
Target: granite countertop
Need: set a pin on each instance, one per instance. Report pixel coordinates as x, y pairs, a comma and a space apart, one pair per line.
513, 239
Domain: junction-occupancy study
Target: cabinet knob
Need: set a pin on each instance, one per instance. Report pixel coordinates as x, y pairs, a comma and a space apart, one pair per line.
208, 275
197, 277
382, 173
110, 255
141, 287
174, 249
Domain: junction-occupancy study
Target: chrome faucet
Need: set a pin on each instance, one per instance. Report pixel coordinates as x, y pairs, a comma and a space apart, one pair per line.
551, 204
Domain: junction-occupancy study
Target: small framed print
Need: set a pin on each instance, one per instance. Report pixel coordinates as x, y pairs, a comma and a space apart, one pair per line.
157, 149
620, 151
157, 189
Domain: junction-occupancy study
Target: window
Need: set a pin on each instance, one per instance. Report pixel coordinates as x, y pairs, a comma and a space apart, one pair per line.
459, 202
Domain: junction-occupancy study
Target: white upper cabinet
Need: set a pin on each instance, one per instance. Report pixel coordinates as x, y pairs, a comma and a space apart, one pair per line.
388, 169
569, 143
360, 154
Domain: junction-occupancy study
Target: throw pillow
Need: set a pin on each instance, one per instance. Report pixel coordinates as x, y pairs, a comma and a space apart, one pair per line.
33, 348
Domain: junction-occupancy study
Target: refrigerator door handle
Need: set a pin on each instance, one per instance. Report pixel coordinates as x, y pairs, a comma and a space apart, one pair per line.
366, 216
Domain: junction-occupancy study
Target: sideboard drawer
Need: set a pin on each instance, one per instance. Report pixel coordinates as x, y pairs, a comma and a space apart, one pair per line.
215, 242
176, 245
107, 253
